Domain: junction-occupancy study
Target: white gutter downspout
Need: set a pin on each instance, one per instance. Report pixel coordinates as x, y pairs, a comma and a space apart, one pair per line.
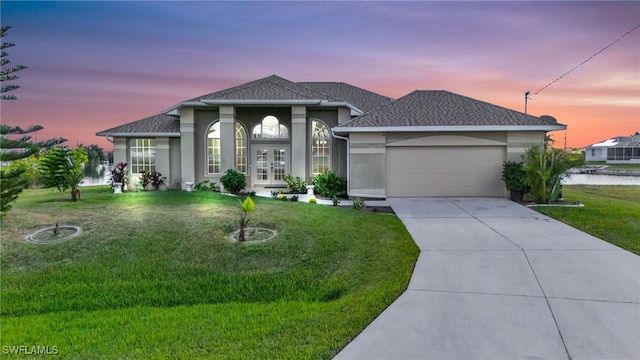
348, 157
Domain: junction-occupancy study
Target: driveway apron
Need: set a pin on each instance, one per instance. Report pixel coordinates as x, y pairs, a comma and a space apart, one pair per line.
497, 280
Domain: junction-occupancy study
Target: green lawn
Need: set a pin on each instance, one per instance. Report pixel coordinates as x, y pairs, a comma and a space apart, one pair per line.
615, 166
154, 275
611, 213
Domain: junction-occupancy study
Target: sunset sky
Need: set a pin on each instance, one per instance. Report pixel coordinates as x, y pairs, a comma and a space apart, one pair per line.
95, 65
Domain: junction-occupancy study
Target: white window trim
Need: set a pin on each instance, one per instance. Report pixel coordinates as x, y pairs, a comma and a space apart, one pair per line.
246, 147
273, 139
131, 147
206, 150
312, 146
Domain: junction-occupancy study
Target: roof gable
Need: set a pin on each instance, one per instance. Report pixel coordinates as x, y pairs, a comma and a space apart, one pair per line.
439, 108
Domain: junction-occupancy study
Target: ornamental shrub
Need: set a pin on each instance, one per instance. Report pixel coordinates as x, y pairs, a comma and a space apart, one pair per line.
119, 174
295, 185
514, 176
329, 185
206, 186
233, 181
545, 167
145, 179
357, 204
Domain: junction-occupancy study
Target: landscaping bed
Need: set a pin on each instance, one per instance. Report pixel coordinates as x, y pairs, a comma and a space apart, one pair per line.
155, 275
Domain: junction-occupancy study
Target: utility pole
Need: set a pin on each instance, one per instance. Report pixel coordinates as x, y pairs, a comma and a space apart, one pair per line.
526, 99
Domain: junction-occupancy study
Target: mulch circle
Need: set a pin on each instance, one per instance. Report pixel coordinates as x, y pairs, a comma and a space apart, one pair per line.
254, 235
54, 234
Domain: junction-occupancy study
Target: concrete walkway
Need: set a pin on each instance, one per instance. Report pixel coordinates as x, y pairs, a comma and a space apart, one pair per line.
496, 280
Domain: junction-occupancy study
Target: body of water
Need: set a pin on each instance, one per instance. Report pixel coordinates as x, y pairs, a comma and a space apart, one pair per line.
95, 174
596, 179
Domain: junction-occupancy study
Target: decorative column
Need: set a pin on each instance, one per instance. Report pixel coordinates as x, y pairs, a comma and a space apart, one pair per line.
187, 146
299, 141
227, 137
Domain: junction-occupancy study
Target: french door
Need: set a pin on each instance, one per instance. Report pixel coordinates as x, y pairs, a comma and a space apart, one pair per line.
270, 164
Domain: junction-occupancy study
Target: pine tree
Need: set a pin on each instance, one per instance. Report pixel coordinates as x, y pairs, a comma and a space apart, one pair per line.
12, 182
7, 73
11, 148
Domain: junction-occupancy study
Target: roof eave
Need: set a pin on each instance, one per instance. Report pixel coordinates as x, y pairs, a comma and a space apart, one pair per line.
363, 129
174, 109
354, 110
138, 134
212, 102
260, 102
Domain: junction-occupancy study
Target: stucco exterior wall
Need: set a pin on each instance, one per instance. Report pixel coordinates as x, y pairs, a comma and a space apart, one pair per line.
368, 152
596, 153
187, 142
168, 158
163, 158
203, 120
120, 150
174, 163
518, 142
249, 117
185, 159
367, 168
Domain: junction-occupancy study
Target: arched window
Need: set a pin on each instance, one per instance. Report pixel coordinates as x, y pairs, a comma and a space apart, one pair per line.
270, 128
241, 148
320, 147
213, 149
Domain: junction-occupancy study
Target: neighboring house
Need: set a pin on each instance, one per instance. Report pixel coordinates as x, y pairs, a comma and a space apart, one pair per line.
618, 150
427, 143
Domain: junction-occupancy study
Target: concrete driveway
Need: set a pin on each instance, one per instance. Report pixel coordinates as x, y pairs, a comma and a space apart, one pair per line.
496, 280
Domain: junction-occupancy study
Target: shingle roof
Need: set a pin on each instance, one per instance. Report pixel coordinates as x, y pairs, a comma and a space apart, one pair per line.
628, 141
269, 88
362, 99
156, 124
443, 108
616, 140
417, 109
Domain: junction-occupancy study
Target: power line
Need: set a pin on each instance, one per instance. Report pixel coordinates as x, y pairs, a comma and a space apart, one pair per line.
591, 57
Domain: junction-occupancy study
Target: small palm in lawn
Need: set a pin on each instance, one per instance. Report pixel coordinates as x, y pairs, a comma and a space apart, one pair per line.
245, 208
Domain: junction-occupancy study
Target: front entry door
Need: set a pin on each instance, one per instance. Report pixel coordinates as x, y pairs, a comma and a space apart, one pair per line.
270, 164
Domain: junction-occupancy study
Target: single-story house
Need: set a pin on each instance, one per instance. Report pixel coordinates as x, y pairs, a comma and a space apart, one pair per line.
426, 143
617, 150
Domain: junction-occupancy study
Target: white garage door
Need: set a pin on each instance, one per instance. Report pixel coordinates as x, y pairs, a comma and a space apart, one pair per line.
445, 171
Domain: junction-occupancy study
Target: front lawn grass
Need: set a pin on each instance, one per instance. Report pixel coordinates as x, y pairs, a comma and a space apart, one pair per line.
155, 275
611, 213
